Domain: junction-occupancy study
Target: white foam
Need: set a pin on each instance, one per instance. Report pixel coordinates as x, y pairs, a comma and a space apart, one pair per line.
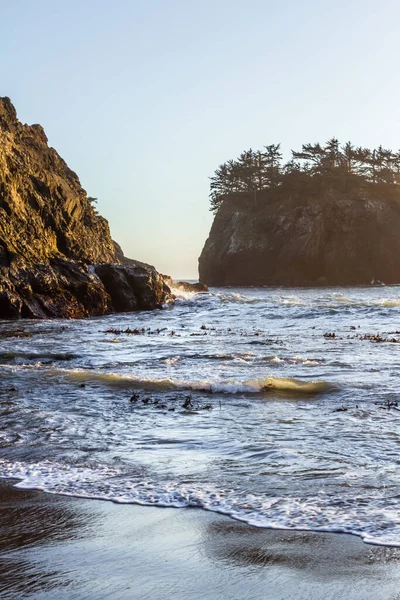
171, 361
300, 360
374, 519
233, 297
50, 476
182, 295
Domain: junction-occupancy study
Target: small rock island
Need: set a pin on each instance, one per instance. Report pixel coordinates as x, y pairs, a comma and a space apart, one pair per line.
330, 216
57, 258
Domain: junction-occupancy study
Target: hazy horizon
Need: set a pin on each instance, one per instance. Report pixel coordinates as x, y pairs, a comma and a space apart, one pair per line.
145, 100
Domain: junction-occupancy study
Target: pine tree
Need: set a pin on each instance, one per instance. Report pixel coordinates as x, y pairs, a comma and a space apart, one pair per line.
220, 186
254, 171
396, 167
312, 155
332, 158
385, 171
349, 158
272, 164
247, 168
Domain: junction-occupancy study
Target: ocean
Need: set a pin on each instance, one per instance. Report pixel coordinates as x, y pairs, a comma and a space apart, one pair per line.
275, 406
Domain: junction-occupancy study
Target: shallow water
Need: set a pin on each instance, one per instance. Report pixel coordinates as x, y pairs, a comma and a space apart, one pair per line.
225, 400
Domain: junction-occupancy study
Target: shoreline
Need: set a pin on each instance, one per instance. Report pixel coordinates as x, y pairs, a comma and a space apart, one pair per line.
68, 547
13, 481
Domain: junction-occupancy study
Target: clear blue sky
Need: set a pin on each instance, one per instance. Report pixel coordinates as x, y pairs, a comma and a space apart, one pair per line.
144, 99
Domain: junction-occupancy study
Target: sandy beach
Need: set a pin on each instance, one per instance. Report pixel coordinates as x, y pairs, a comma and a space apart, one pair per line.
61, 547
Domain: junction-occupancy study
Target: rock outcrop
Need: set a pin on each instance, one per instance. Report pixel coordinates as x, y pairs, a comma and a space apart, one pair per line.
185, 286
57, 258
306, 237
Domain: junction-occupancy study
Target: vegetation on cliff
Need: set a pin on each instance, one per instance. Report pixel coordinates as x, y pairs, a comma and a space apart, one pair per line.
316, 166
330, 216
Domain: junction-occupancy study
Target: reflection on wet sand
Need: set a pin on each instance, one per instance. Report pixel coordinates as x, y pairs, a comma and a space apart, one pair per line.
320, 556
54, 547
27, 523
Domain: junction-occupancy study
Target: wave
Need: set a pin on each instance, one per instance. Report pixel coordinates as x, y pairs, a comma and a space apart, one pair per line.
295, 301
302, 308
373, 517
219, 356
53, 356
233, 297
289, 301
287, 384
298, 360
346, 302
250, 386
182, 295
390, 303
171, 361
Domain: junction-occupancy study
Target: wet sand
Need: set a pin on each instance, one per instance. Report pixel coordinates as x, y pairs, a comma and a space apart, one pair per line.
67, 548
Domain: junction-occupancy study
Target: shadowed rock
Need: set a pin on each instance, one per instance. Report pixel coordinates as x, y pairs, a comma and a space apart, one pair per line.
312, 236
133, 287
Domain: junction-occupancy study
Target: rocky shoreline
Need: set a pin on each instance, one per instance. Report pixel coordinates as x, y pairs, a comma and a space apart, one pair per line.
67, 289
57, 257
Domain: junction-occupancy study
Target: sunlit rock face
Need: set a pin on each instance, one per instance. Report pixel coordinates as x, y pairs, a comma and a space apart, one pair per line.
50, 235
318, 237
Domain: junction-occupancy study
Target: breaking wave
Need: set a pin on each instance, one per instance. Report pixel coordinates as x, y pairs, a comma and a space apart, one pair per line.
390, 303
297, 360
181, 295
334, 301
250, 386
233, 297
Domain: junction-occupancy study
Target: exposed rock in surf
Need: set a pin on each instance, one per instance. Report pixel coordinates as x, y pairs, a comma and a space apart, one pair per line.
185, 286
133, 287
51, 236
311, 236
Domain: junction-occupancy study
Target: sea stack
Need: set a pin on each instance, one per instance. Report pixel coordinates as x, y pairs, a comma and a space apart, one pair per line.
306, 230
57, 258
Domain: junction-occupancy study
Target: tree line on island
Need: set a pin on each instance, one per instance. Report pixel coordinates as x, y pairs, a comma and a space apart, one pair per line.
256, 171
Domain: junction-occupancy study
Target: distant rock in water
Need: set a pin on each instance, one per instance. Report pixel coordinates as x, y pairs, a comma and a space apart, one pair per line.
57, 258
185, 286
319, 233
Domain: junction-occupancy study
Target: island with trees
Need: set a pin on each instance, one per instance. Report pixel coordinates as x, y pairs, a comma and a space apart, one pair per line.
328, 216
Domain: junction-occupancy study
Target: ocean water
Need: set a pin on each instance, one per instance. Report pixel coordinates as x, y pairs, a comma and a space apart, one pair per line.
275, 406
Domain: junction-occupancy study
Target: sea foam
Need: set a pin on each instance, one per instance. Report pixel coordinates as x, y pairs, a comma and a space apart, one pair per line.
319, 512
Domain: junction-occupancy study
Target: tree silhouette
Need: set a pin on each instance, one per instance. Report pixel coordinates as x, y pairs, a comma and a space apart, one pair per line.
255, 172
312, 155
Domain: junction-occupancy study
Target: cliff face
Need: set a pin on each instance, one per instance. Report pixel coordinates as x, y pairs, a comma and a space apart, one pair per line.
57, 258
44, 211
326, 237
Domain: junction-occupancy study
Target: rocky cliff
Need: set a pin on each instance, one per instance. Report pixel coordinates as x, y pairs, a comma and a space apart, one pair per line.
334, 234
57, 258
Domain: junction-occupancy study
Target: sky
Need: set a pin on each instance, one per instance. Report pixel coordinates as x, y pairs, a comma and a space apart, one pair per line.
144, 99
